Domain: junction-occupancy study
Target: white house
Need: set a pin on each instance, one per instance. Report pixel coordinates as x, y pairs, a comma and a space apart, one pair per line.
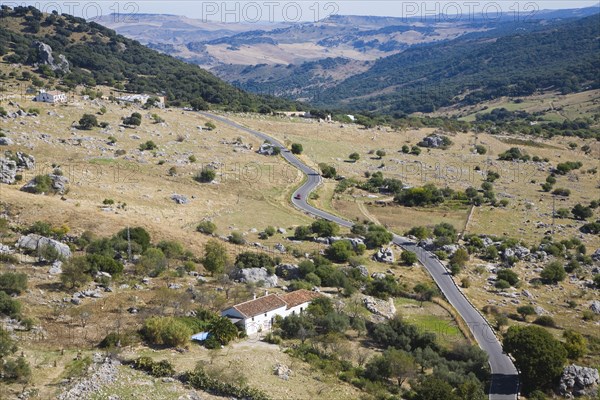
52, 96
258, 315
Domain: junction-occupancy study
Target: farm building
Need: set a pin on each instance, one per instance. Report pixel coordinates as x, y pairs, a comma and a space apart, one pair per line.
258, 315
52, 96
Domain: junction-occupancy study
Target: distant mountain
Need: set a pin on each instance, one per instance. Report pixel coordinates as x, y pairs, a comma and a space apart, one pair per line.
97, 55
303, 60
542, 56
215, 44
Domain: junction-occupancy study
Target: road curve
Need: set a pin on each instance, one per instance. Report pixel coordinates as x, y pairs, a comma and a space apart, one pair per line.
505, 378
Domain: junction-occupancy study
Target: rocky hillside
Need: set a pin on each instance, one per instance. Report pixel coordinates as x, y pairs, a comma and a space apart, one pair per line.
79, 52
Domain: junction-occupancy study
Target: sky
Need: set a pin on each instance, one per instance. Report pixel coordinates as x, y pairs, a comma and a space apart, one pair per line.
260, 11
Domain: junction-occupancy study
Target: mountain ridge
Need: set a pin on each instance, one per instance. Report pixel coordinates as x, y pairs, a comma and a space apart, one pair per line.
98, 55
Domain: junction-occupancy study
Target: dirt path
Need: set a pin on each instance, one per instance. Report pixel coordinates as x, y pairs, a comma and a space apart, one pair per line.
369, 216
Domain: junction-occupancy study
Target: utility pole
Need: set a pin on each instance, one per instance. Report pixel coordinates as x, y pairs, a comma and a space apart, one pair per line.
553, 212
129, 246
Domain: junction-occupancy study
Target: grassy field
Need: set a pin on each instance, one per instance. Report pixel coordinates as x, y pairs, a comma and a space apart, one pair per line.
553, 106
245, 180
527, 216
431, 317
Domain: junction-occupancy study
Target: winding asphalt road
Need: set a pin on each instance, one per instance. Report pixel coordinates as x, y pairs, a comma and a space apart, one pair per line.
505, 378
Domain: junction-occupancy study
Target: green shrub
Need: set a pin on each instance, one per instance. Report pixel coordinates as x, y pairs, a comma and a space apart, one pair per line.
88, 121
554, 272
199, 379
149, 145
501, 284
591, 228
206, 227
115, 339
15, 371
513, 154
13, 283
158, 369
166, 331
545, 320
561, 192
509, 276
43, 184
206, 175
409, 258
135, 119
237, 238
297, 148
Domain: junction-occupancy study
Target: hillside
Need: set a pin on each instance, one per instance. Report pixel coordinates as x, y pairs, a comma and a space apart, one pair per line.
97, 55
561, 56
300, 61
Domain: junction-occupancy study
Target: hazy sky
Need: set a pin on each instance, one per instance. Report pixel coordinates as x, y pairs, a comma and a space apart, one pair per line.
298, 10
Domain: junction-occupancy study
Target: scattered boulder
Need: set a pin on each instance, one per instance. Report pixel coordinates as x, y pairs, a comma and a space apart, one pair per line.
56, 268
428, 244
596, 255
378, 275
281, 230
363, 270
384, 308
540, 311
595, 306
508, 253
579, 381
321, 240
521, 252
280, 247
24, 161
287, 271
527, 293
267, 149
45, 57
282, 371
34, 242
59, 184
8, 171
4, 141
450, 249
255, 275
355, 242
179, 199
385, 255
435, 141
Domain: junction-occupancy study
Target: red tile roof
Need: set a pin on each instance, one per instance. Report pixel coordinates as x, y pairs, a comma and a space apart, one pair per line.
261, 305
298, 297
272, 302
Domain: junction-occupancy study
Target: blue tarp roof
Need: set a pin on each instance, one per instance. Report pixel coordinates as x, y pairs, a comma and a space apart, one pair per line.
202, 336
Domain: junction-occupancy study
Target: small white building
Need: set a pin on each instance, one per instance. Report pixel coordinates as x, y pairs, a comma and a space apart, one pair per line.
52, 96
258, 315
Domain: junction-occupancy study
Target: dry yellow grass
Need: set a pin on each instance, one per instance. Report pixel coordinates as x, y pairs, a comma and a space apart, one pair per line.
529, 208
252, 190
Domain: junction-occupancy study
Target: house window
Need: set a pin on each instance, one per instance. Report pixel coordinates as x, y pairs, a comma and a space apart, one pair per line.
252, 318
265, 314
301, 309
